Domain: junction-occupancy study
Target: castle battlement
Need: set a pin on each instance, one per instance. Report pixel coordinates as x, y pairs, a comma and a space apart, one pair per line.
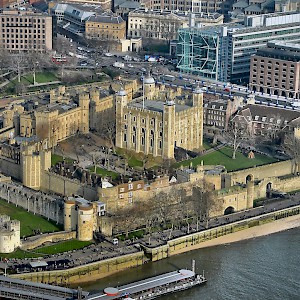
9, 234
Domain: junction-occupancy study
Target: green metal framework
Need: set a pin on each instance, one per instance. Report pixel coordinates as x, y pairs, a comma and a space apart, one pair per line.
197, 53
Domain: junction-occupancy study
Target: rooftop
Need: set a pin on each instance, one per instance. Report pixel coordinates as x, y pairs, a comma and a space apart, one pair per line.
106, 19
156, 106
211, 16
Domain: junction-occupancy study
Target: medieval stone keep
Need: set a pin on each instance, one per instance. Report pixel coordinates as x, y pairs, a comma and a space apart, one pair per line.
153, 125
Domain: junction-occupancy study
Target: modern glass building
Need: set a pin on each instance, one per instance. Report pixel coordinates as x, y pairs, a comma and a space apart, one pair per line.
223, 52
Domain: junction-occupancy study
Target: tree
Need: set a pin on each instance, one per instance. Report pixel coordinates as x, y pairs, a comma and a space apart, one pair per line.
150, 217
20, 88
185, 208
236, 133
126, 218
292, 147
203, 202
18, 63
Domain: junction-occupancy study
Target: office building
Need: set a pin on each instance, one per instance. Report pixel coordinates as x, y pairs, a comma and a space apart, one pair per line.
223, 52
163, 25
204, 6
25, 30
275, 70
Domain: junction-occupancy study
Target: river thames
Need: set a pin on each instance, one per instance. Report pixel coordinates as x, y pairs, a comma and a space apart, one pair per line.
262, 268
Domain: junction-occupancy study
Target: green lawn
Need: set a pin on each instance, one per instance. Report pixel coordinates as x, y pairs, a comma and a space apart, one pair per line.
103, 172
133, 158
134, 162
223, 157
19, 254
55, 158
41, 77
48, 250
62, 247
29, 221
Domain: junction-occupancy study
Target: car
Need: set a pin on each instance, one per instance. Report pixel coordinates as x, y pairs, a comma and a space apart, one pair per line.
108, 54
130, 66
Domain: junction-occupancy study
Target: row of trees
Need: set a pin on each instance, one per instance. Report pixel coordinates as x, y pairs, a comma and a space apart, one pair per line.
167, 210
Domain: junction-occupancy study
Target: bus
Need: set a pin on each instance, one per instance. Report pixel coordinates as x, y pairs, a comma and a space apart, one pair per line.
168, 77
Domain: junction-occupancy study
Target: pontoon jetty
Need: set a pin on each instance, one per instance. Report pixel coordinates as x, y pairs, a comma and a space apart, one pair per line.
153, 287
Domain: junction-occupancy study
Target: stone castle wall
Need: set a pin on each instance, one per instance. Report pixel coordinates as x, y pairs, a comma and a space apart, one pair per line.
36, 241
66, 186
9, 167
272, 170
48, 206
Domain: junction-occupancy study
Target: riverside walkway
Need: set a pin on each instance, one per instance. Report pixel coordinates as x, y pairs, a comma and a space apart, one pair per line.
12, 288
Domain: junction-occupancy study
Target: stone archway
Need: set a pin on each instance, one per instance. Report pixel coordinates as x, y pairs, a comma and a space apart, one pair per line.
249, 177
229, 210
268, 189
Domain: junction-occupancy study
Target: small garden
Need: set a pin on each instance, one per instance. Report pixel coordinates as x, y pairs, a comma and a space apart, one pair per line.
55, 158
104, 172
223, 157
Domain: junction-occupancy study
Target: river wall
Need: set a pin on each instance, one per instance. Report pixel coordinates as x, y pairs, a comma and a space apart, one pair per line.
274, 222
193, 241
88, 272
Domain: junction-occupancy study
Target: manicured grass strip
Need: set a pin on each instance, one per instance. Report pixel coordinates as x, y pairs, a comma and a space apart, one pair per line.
19, 254
103, 172
55, 158
29, 221
48, 250
62, 247
223, 157
41, 77
134, 162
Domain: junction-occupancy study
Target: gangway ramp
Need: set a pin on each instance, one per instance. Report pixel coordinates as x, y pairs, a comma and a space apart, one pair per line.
18, 289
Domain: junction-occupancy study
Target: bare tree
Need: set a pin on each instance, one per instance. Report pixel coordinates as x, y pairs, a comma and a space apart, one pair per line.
18, 63
235, 134
126, 218
291, 145
203, 201
185, 209
150, 217
107, 127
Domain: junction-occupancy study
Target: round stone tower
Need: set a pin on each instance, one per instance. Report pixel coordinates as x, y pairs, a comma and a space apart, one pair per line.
85, 222
70, 214
149, 87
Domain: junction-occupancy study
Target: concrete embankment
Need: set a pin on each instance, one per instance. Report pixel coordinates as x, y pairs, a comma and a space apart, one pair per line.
250, 233
87, 272
246, 229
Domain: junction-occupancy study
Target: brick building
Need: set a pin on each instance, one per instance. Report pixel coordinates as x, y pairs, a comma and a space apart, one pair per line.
25, 30
105, 28
275, 69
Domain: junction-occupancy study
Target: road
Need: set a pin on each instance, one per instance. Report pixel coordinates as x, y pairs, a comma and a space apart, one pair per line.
106, 249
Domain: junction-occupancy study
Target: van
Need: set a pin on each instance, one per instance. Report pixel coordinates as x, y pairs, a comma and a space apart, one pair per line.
115, 242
